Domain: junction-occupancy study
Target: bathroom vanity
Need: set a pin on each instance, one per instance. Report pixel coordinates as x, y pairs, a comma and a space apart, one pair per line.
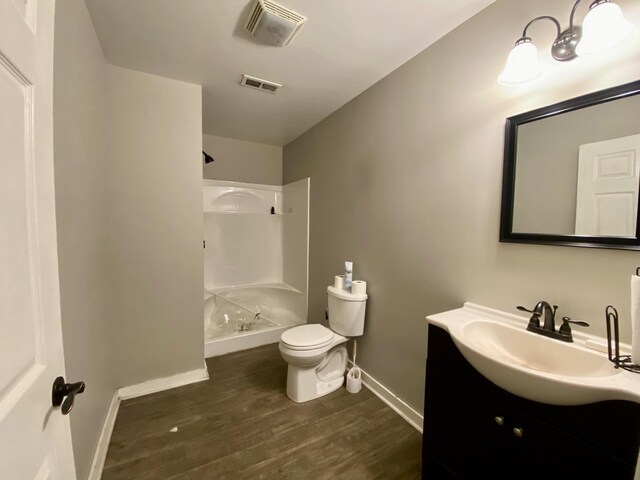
475, 429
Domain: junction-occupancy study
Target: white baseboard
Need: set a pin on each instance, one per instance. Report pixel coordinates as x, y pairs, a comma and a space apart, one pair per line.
124, 393
166, 383
407, 412
105, 437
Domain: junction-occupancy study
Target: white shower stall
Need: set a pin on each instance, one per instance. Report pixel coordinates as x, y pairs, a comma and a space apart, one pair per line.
256, 262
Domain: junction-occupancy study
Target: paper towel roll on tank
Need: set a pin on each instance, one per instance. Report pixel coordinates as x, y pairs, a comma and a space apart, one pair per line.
346, 282
359, 287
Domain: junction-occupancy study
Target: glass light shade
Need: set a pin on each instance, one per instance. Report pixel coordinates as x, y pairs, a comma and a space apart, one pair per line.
522, 65
604, 27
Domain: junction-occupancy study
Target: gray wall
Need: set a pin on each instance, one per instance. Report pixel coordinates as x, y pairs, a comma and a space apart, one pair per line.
547, 162
156, 262
242, 161
129, 246
81, 210
407, 183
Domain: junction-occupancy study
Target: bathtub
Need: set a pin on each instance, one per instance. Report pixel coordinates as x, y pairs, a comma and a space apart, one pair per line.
238, 318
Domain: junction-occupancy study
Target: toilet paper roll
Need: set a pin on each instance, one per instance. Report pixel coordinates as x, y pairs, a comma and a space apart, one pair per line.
338, 282
359, 287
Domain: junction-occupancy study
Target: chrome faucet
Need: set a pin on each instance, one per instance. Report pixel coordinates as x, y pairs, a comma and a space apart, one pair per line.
548, 329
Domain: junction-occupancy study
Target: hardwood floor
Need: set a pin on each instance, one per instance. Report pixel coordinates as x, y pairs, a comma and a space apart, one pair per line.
241, 425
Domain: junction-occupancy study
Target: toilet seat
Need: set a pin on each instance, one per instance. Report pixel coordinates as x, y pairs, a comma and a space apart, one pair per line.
307, 337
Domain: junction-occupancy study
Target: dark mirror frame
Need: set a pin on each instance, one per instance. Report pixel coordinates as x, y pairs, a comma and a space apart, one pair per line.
509, 174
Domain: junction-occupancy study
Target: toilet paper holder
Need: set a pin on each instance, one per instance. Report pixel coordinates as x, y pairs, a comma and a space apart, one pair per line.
613, 343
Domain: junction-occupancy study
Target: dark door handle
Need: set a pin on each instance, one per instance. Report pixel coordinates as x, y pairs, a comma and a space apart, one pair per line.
61, 390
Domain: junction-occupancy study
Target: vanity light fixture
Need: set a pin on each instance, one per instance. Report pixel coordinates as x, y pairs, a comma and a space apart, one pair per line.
604, 27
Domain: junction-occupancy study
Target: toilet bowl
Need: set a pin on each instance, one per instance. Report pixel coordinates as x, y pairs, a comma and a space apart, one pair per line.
317, 359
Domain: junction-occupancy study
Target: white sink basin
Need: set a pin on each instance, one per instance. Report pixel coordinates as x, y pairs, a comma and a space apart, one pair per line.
518, 347
527, 364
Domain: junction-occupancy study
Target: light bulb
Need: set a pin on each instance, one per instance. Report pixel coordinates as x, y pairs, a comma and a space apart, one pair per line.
604, 27
522, 64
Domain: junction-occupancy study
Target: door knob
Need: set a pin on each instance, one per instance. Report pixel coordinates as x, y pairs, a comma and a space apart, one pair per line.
518, 432
61, 390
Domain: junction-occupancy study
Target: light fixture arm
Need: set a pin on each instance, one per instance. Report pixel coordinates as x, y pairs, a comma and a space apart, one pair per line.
595, 3
557, 23
573, 13
543, 17
564, 46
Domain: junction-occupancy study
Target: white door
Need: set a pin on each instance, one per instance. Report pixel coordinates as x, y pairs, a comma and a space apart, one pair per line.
35, 439
607, 198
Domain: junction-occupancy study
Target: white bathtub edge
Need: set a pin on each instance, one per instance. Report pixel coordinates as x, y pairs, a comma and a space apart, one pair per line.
224, 345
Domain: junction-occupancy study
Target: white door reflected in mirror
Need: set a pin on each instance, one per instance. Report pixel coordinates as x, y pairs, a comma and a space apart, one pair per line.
607, 190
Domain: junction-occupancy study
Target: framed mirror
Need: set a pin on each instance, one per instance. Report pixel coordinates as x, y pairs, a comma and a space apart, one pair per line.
571, 172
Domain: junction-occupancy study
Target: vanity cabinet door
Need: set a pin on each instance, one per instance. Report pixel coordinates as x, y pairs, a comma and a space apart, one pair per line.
463, 437
543, 451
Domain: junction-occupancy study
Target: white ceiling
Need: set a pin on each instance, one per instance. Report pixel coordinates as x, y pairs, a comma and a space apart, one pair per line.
344, 47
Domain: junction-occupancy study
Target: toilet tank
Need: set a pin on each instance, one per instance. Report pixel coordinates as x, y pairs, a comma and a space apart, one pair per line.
346, 312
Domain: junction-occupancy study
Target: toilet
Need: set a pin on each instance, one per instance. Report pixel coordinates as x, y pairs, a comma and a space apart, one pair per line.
317, 356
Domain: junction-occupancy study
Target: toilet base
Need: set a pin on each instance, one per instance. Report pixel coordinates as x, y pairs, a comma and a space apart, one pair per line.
305, 384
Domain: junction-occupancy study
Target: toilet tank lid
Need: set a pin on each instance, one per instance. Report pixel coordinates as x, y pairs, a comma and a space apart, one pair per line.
344, 295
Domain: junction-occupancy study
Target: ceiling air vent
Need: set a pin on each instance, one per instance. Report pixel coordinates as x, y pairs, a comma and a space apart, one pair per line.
272, 24
259, 84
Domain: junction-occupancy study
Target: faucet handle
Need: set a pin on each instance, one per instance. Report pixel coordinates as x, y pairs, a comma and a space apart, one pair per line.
532, 312
565, 328
534, 321
575, 322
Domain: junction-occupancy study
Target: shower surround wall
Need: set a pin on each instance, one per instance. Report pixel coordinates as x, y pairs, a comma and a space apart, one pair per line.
256, 262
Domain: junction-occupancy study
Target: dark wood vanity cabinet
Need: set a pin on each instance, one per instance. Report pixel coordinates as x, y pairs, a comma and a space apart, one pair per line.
475, 430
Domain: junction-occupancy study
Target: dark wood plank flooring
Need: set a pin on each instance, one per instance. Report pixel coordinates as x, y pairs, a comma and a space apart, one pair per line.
241, 425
